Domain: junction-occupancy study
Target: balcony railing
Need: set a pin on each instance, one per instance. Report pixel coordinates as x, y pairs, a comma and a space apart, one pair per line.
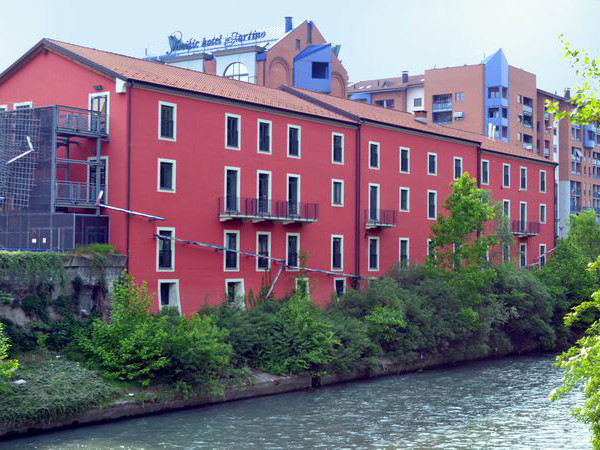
525, 228
442, 106
76, 194
527, 109
256, 209
575, 208
80, 121
380, 218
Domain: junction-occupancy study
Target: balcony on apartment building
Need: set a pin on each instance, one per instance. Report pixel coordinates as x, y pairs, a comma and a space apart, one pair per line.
260, 210
497, 97
576, 133
527, 142
498, 116
589, 135
527, 106
524, 229
380, 218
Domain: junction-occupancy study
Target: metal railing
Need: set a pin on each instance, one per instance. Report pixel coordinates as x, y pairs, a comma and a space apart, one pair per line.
78, 120
380, 217
575, 208
522, 227
264, 209
75, 193
442, 106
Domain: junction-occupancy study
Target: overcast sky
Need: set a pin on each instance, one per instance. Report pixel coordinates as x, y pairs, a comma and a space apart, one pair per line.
379, 38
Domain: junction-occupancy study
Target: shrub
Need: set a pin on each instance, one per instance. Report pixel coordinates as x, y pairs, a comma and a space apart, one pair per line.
132, 346
7, 366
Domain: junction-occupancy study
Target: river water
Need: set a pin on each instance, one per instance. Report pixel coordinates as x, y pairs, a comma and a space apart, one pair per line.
489, 404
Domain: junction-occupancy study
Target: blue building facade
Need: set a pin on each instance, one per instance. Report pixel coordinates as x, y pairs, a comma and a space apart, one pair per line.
496, 95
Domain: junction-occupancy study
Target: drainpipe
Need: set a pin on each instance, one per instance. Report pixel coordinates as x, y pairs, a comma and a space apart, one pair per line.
479, 166
128, 217
357, 233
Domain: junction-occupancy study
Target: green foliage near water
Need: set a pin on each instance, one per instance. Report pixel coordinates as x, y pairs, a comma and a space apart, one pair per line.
7, 366
139, 346
54, 388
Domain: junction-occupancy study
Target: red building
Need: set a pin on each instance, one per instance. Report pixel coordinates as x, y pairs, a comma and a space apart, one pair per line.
343, 188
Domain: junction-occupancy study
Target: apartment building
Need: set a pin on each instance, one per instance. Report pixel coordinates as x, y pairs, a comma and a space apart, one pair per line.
504, 102
213, 187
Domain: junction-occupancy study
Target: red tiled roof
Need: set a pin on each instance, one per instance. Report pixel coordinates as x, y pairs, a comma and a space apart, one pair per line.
407, 120
165, 75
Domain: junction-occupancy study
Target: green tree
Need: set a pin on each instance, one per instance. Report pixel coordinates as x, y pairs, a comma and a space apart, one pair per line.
584, 232
7, 366
463, 237
580, 363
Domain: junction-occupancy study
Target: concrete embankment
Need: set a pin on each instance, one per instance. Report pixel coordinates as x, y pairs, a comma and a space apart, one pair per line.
262, 384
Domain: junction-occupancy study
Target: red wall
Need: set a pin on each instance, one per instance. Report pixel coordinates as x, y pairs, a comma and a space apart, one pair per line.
201, 158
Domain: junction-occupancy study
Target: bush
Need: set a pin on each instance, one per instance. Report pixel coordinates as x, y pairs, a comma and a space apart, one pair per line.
7, 366
281, 337
139, 346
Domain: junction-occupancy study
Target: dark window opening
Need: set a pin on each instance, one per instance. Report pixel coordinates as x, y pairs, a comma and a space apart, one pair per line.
167, 121
264, 137
293, 141
166, 176
233, 132
165, 249
320, 70
231, 255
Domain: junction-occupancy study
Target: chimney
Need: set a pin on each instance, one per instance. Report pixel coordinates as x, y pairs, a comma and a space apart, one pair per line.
405, 76
420, 116
568, 94
309, 32
288, 24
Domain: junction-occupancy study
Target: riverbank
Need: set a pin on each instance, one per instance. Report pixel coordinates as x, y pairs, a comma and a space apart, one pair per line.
138, 403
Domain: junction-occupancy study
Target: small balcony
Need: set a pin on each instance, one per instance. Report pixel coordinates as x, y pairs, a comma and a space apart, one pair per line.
380, 218
80, 122
75, 194
259, 210
442, 106
524, 229
527, 109
575, 209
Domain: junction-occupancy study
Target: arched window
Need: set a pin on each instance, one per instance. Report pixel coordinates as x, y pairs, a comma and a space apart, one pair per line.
237, 71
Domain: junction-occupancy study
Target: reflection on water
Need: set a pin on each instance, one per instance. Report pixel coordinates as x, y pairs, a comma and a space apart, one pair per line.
491, 404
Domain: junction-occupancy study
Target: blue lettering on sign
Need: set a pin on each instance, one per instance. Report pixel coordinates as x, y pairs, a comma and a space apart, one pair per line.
177, 44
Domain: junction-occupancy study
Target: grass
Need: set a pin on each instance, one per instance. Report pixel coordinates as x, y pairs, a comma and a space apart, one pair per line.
55, 388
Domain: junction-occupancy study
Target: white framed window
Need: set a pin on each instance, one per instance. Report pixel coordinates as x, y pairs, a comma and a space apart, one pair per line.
542, 213
523, 178
235, 292
3, 108
302, 281
404, 160
458, 167
293, 193
233, 131
431, 163
100, 102
167, 121
373, 262
292, 251
485, 171
91, 179
231, 257
166, 175
263, 192
429, 249
374, 199
168, 294
506, 175
231, 188
404, 199
337, 148
404, 251
543, 181
337, 252
263, 248
294, 141
22, 105
542, 259
374, 155
264, 136
522, 255
431, 205
523, 212
337, 192
165, 249
339, 286
506, 208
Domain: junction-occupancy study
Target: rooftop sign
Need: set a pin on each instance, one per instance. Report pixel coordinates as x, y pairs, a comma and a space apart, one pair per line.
234, 39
